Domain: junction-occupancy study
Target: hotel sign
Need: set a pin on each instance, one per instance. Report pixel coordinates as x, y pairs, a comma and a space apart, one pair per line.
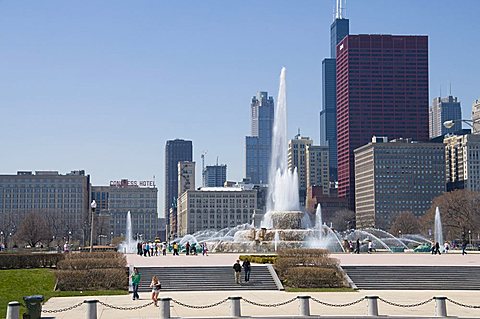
127, 183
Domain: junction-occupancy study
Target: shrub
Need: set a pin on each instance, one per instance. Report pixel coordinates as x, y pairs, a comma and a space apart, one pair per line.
291, 258
31, 260
95, 260
259, 259
92, 279
313, 277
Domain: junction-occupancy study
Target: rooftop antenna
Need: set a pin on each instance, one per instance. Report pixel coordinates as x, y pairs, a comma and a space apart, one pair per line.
339, 8
450, 88
217, 160
203, 167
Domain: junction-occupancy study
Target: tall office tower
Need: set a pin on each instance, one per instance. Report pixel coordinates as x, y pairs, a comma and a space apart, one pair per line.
297, 158
317, 167
394, 177
175, 151
476, 117
186, 176
463, 161
259, 145
328, 115
215, 175
382, 89
445, 109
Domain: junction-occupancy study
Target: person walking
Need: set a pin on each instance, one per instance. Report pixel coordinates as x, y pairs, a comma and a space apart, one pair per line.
464, 247
187, 248
155, 285
370, 247
175, 249
248, 268
437, 248
164, 249
204, 249
237, 271
446, 247
357, 248
136, 276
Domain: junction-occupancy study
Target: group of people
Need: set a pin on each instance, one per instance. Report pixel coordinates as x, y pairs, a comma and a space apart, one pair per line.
154, 284
237, 270
352, 247
148, 249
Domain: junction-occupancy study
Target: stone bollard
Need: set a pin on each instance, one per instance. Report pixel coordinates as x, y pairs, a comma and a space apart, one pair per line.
304, 304
91, 308
235, 310
164, 307
372, 305
440, 306
13, 310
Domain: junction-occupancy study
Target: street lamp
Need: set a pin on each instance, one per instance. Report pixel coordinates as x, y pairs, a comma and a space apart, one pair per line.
450, 123
470, 237
93, 205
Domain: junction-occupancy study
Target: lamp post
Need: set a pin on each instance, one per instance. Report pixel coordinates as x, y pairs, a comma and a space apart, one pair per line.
470, 237
93, 205
450, 123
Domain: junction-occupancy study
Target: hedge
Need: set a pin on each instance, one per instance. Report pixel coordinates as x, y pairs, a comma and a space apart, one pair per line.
92, 279
30, 260
292, 258
259, 259
100, 260
314, 277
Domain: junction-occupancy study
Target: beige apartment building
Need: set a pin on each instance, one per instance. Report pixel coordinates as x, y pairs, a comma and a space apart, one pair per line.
395, 177
462, 153
318, 167
215, 208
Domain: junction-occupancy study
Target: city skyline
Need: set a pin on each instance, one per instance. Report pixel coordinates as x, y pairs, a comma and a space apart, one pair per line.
103, 86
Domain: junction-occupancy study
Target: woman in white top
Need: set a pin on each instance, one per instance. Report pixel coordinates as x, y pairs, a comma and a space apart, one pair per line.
155, 285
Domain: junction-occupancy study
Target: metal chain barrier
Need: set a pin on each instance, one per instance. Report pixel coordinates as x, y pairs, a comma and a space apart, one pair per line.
338, 305
462, 304
64, 309
269, 305
199, 307
125, 308
407, 305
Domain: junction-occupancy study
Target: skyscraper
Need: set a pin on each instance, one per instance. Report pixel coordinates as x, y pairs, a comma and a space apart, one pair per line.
258, 146
476, 117
328, 115
175, 151
445, 109
215, 175
382, 89
297, 158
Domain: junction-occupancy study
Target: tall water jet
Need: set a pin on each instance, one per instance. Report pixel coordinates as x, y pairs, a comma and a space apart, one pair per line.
283, 183
129, 245
318, 218
438, 235
276, 240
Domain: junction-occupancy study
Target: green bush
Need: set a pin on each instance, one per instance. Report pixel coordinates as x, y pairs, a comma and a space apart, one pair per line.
314, 277
92, 261
96, 255
92, 279
259, 259
30, 260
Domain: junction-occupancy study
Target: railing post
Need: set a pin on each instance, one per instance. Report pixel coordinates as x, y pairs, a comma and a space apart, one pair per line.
440, 306
13, 310
372, 305
235, 310
91, 308
304, 304
164, 307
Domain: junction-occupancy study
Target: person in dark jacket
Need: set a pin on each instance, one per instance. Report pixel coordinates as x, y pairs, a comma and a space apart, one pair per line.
237, 271
247, 267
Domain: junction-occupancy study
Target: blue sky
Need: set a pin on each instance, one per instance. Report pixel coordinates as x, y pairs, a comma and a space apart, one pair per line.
101, 85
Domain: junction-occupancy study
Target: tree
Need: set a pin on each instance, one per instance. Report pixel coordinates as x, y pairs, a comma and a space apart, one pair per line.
459, 211
33, 229
343, 220
406, 223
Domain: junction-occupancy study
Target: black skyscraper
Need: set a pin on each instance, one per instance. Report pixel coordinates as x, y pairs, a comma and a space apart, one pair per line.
328, 116
175, 151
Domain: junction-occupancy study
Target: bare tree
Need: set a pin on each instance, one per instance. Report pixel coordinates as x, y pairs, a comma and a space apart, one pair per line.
459, 210
343, 219
33, 229
405, 223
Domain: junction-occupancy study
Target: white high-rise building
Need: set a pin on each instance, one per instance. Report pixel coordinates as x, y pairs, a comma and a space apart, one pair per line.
462, 154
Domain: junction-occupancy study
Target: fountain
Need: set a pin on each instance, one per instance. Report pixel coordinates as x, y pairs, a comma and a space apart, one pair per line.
438, 235
129, 245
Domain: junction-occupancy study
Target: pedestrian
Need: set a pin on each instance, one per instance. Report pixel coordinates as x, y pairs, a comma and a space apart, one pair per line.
247, 267
446, 247
66, 247
350, 246
357, 249
464, 247
187, 248
437, 248
175, 249
237, 271
204, 249
151, 245
136, 276
156, 249
194, 249
139, 248
155, 285
370, 246
164, 248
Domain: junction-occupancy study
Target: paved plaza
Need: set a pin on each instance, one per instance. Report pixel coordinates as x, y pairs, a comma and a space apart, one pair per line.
271, 297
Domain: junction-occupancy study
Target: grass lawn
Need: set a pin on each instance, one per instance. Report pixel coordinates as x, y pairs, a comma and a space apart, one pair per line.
17, 283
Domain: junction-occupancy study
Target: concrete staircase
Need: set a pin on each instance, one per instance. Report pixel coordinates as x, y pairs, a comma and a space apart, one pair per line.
204, 278
414, 277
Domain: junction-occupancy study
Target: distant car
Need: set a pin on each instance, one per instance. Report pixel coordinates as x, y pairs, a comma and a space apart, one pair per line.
423, 248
